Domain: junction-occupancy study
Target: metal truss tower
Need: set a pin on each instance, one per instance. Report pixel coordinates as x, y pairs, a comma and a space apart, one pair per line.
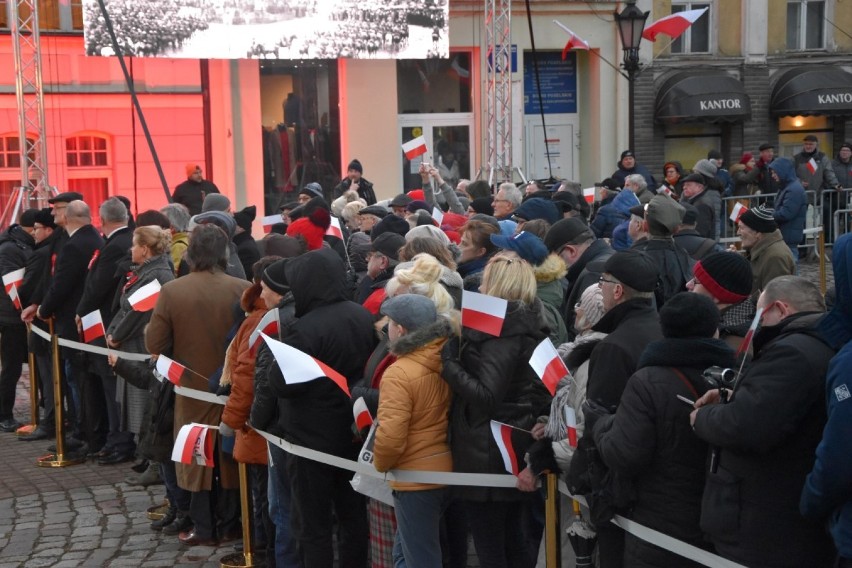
35, 188
498, 89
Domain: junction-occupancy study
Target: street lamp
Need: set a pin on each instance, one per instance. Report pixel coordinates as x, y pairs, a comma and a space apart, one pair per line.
631, 24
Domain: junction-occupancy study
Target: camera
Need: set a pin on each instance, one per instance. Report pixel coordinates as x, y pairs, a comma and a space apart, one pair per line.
719, 378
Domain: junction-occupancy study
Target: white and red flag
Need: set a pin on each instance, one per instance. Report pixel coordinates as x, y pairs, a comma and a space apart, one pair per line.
574, 41
268, 324
299, 367
363, 418
145, 298
737, 212
749, 336
503, 437
548, 365
571, 425
812, 166
11, 282
93, 326
665, 190
270, 220
483, 313
414, 148
589, 194
673, 25
16, 299
334, 228
438, 215
170, 369
194, 444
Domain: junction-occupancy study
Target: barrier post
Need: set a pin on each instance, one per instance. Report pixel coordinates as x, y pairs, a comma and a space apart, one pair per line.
552, 541
822, 283
242, 559
57, 459
27, 429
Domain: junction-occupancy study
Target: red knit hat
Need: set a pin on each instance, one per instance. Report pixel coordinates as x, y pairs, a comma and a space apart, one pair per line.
416, 194
747, 157
312, 228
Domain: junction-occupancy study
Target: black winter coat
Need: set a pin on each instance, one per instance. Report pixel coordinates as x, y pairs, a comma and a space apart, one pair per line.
16, 246
631, 327
492, 380
247, 251
582, 274
318, 414
192, 194
673, 263
105, 275
649, 441
768, 434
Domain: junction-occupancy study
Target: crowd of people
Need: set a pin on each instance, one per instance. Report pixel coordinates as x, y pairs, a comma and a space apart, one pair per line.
673, 411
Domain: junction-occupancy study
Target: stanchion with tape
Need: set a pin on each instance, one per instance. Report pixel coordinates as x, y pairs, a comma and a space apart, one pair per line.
28, 429
245, 558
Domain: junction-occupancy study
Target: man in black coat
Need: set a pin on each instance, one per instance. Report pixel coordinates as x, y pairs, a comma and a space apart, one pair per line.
318, 414
192, 192
767, 437
16, 245
106, 274
686, 237
355, 181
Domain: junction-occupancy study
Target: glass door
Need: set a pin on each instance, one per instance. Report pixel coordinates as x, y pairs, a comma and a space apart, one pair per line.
449, 147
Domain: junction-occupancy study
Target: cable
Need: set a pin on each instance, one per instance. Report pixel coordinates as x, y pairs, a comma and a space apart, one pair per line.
538, 89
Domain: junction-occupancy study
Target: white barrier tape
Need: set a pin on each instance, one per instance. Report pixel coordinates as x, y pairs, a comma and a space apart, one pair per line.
91, 348
195, 393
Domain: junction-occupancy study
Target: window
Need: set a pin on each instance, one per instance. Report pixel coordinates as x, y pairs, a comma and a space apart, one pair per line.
86, 151
52, 14
89, 171
805, 25
696, 38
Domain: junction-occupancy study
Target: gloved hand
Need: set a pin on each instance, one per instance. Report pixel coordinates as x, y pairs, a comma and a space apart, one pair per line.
226, 430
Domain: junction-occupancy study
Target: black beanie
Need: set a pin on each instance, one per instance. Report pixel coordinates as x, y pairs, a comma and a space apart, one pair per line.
274, 277
689, 315
356, 165
726, 275
245, 217
482, 205
28, 217
44, 218
760, 219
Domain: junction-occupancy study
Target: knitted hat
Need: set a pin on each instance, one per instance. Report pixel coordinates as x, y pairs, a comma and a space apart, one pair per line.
215, 202
275, 278
482, 205
417, 194
453, 221
222, 220
537, 208
627, 154
705, 168
312, 227
28, 217
245, 217
726, 275
190, 169
591, 302
760, 219
569, 231
689, 315
527, 245
411, 311
634, 269
390, 224
355, 165
746, 158
44, 218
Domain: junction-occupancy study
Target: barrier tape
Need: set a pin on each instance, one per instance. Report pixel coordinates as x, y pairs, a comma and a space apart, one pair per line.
91, 348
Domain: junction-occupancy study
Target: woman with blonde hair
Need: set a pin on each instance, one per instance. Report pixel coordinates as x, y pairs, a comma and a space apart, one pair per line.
491, 379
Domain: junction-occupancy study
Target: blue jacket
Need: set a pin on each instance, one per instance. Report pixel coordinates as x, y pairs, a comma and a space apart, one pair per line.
791, 203
828, 488
610, 216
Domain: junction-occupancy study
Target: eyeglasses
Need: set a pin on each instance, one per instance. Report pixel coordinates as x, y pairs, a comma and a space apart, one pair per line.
603, 279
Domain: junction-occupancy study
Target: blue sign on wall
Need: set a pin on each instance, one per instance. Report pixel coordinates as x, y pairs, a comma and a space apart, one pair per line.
558, 80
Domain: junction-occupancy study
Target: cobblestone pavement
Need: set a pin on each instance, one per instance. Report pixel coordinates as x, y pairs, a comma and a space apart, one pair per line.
85, 515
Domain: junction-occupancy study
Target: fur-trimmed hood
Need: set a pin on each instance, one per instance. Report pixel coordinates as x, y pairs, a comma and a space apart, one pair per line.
553, 268
441, 329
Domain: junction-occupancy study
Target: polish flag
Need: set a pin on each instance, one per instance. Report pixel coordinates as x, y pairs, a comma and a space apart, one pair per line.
483, 313
665, 190
737, 212
270, 220
548, 365
673, 25
93, 326
170, 369
299, 367
571, 423
438, 215
268, 325
13, 295
334, 229
13, 280
194, 445
363, 419
589, 194
145, 298
812, 166
749, 336
574, 41
503, 436
414, 148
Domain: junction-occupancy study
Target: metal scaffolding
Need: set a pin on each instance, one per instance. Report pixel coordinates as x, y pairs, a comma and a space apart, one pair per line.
35, 187
498, 89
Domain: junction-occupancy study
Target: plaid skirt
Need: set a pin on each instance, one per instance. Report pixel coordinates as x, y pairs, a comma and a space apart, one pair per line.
382, 532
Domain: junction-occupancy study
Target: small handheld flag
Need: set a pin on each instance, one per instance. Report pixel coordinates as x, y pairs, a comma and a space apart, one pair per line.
812, 166
589, 194
170, 369
737, 212
299, 367
571, 426
363, 419
194, 444
93, 326
145, 298
270, 220
548, 365
749, 336
483, 313
503, 437
334, 228
414, 148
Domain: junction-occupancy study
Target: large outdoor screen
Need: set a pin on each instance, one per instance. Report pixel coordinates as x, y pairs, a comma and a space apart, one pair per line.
270, 29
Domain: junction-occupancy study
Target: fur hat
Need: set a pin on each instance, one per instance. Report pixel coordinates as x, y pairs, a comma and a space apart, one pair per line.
726, 275
760, 219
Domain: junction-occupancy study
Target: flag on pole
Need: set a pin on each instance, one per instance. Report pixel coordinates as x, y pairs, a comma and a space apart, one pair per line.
334, 228
270, 220
665, 190
170, 369
93, 326
268, 324
16, 299
363, 419
503, 436
299, 367
589, 194
571, 425
574, 41
145, 298
438, 215
483, 313
812, 166
548, 365
13, 280
414, 148
673, 25
749, 336
737, 212
194, 444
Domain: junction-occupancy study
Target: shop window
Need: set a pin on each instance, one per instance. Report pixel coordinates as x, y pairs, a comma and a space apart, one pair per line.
696, 38
89, 172
688, 143
793, 129
805, 24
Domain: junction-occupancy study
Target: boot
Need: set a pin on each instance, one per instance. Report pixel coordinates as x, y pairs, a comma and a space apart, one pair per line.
151, 476
181, 524
168, 519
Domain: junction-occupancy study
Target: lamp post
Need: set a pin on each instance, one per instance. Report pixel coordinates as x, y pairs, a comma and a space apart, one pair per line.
631, 24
